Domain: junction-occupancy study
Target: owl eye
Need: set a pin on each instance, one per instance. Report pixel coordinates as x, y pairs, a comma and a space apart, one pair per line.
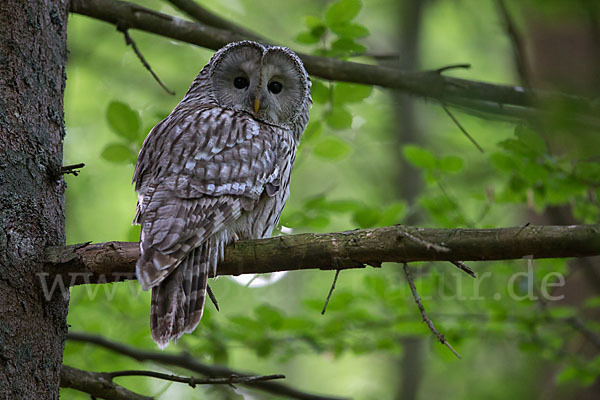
275, 87
241, 82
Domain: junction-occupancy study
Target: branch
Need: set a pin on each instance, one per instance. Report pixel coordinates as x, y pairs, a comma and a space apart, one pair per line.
512, 101
232, 379
115, 261
184, 360
426, 319
96, 384
202, 15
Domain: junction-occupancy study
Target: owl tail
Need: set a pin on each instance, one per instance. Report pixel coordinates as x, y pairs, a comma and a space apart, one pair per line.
178, 302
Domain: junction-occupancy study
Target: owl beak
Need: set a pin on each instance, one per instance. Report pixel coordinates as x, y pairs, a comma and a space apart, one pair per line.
256, 105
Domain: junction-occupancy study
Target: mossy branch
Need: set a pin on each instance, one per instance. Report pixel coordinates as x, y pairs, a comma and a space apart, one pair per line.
115, 261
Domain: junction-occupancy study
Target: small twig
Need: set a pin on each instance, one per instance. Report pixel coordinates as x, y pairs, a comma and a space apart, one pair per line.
337, 273
212, 297
232, 379
71, 169
462, 128
462, 266
426, 319
521, 230
516, 42
184, 360
130, 42
423, 242
453, 66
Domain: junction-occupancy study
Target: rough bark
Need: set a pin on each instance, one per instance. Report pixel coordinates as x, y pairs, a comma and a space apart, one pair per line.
32, 80
115, 261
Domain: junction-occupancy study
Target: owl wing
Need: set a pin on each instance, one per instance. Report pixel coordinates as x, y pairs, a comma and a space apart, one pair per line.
197, 172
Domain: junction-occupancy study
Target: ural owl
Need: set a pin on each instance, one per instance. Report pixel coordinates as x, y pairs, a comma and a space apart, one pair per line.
217, 169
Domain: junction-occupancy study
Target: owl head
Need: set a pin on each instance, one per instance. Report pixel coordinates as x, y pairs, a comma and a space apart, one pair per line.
267, 82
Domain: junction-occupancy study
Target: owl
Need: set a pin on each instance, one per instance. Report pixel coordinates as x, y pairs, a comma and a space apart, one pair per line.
216, 170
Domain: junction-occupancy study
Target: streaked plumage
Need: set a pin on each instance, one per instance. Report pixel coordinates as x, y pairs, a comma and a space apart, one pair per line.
216, 169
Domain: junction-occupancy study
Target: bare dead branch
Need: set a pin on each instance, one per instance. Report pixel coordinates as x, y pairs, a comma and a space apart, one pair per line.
335, 278
516, 41
71, 169
426, 319
96, 385
462, 129
115, 261
186, 361
212, 297
201, 14
192, 381
130, 42
463, 267
475, 96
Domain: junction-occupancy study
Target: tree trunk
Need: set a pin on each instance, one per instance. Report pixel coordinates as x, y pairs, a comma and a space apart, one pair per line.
32, 80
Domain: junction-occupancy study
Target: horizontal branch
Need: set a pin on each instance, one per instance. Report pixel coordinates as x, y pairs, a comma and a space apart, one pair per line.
475, 96
115, 261
186, 361
96, 384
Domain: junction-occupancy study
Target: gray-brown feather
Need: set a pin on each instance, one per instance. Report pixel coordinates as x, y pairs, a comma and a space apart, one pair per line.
208, 173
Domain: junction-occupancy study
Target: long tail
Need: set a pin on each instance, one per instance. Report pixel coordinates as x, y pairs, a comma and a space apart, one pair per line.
178, 302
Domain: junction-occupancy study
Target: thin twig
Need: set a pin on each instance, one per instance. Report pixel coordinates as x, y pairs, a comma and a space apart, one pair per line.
130, 42
96, 384
186, 361
71, 169
516, 42
335, 278
462, 128
452, 66
212, 297
426, 319
192, 381
521, 230
462, 266
201, 14
428, 245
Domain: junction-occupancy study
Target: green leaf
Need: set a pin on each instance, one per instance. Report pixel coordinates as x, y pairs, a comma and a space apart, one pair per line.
339, 118
344, 46
531, 139
312, 131
332, 148
342, 11
503, 162
118, 153
350, 92
419, 157
307, 38
451, 164
312, 22
319, 92
366, 217
588, 171
393, 214
270, 316
124, 121
350, 30
342, 205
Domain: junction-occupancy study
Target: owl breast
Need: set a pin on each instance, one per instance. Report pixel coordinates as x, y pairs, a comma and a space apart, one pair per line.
263, 217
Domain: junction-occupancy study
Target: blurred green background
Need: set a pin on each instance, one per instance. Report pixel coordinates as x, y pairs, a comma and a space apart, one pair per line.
370, 157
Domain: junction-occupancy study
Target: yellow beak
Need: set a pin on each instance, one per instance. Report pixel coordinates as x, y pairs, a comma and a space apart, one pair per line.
256, 105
